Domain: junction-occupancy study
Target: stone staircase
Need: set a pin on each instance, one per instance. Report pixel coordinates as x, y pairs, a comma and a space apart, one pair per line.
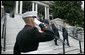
14, 25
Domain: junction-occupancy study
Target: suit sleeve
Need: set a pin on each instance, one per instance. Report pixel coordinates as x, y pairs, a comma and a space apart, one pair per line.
45, 36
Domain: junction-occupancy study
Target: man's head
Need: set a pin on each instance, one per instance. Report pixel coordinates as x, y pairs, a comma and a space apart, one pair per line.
28, 17
29, 14
46, 21
64, 23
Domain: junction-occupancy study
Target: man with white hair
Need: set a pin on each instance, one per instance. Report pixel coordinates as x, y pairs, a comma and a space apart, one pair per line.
28, 38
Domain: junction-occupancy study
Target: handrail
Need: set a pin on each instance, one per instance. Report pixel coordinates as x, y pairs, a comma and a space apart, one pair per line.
71, 36
3, 24
4, 32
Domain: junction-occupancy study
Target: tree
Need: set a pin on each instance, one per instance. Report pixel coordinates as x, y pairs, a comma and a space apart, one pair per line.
70, 11
8, 6
27, 6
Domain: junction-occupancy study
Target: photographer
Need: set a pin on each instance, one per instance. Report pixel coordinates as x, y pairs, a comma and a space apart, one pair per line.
27, 40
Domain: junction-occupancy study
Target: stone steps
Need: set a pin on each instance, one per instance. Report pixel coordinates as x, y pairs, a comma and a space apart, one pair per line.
13, 26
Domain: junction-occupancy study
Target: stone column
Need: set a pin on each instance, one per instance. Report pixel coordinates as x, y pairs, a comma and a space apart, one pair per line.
16, 9
21, 3
32, 6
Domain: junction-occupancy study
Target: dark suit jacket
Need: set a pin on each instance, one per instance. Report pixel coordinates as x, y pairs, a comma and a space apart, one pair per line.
55, 31
29, 37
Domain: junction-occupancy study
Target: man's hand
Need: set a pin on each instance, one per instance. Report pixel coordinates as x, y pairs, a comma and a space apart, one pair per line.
41, 31
46, 26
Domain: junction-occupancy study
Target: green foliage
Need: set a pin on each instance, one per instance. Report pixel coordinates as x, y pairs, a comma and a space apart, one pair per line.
8, 5
70, 11
27, 6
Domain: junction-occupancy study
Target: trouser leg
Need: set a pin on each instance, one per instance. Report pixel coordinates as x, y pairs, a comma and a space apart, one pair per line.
67, 42
55, 41
64, 40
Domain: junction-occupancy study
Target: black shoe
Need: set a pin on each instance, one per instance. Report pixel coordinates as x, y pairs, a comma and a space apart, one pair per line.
56, 44
69, 45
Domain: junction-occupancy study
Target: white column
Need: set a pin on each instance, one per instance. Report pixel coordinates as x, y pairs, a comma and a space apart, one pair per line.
16, 9
21, 3
36, 7
48, 13
32, 6
45, 12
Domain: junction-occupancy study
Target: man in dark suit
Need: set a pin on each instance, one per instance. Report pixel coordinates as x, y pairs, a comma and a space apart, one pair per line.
65, 33
29, 37
56, 33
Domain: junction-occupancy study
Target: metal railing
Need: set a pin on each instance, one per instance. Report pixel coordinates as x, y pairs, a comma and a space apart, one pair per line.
4, 32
